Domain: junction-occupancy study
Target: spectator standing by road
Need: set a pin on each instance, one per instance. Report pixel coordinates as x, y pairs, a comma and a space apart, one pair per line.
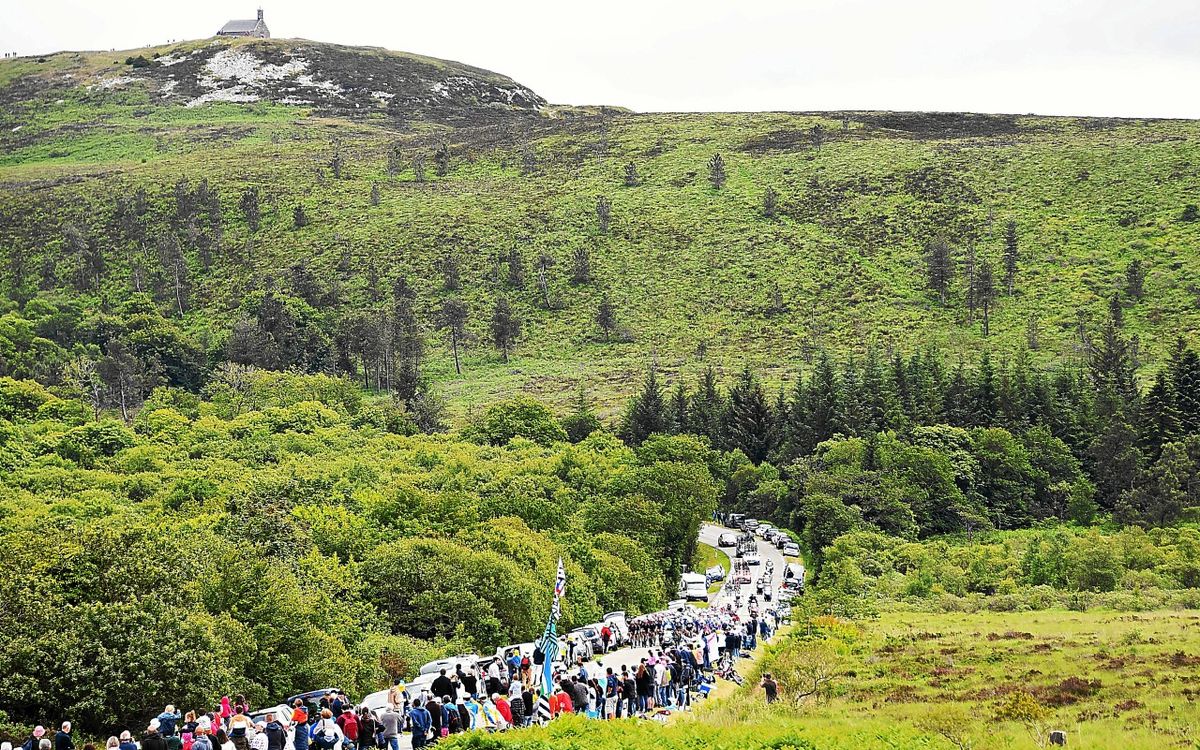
770, 687
391, 720
420, 721
62, 740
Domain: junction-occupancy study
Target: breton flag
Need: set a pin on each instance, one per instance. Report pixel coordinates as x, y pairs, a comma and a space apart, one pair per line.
548, 644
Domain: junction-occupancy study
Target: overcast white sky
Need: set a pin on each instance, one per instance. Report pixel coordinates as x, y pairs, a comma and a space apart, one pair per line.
1086, 57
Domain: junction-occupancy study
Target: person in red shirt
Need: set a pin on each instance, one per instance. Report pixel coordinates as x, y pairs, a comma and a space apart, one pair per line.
552, 699
564, 702
349, 724
503, 707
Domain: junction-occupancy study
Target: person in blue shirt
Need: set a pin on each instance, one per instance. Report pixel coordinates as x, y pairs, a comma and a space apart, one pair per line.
419, 721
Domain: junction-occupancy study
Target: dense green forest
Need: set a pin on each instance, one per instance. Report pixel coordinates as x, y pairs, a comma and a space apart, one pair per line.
287, 533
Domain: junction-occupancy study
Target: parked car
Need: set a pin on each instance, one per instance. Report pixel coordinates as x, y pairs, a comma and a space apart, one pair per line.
734, 520
468, 662
676, 604
791, 549
715, 573
588, 637
781, 541
728, 539
311, 697
750, 524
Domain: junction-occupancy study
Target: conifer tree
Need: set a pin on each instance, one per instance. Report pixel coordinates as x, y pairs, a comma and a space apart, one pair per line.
677, 409
825, 406
1115, 457
516, 268
940, 267
1010, 256
1185, 384
441, 160
631, 175
857, 413
706, 414
453, 320
716, 171
545, 262
603, 212
506, 326
581, 266
1158, 420
606, 317
749, 426
250, 209
770, 202
970, 269
647, 413
983, 406
1135, 279
985, 293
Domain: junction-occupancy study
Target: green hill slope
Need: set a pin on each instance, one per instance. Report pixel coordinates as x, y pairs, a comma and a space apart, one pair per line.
695, 274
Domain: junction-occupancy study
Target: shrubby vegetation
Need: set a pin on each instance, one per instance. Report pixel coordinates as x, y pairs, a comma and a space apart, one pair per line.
1057, 567
287, 532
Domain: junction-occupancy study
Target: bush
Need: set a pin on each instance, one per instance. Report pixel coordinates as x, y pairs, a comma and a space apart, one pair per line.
518, 417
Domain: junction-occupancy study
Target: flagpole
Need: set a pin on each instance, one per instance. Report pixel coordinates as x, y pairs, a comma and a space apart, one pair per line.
549, 645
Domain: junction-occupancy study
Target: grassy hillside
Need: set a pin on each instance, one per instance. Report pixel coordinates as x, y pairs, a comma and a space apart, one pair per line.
696, 274
1109, 680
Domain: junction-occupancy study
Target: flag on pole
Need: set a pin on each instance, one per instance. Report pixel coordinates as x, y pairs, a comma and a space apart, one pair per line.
548, 643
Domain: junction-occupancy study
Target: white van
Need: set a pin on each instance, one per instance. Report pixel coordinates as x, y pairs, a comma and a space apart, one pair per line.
693, 587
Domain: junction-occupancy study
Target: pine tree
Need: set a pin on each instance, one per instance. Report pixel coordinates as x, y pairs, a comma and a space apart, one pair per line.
250, 209
374, 193
603, 212
1110, 363
441, 160
1010, 256
631, 175
1135, 279
516, 268
970, 270
983, 406
677, 409
825, 401
506, 326
299, 217
770, 202
545, 262
706, 414
407, 343
451, 281
716, 171
1115, 459
606, 316
958, 401
749, 426
581, 266
985, 293
1185, 384
647, 413
454, 321
940, 267
857, 413
1158, 419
